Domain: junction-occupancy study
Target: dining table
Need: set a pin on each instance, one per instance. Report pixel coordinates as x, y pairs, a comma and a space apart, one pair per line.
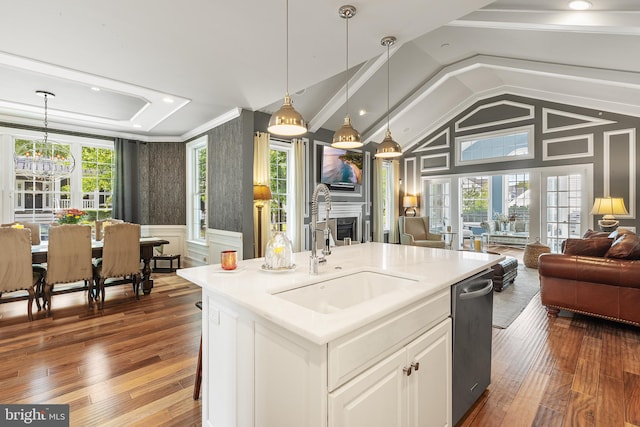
39, 256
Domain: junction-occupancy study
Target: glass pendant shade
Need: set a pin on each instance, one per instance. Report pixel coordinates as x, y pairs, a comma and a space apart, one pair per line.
346, 136
287, 121
388, 148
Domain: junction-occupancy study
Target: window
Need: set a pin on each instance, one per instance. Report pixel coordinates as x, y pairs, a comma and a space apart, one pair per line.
97, 180
197, 190
564, 204
88, 187
475, 200
281, 171
387, 190
499, 146
517, 197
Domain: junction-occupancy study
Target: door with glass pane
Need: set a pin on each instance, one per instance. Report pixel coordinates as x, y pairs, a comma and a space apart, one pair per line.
438, 204
564, 215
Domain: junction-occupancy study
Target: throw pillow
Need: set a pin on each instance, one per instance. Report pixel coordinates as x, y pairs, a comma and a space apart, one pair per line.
596, 247
627, 246
619, 232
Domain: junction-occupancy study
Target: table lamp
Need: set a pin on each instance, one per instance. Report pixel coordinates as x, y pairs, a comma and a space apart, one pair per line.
608, 207
409, 204
261, 193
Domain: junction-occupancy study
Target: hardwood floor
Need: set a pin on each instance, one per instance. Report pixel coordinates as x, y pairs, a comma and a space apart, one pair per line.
134, 363
568, 371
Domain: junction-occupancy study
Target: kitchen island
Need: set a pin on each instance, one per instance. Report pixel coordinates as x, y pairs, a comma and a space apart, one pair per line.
367, 341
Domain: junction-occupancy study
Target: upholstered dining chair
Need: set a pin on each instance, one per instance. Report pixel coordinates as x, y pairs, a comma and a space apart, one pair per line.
33, 226
69, 257
16, 272
120, 258
100, 224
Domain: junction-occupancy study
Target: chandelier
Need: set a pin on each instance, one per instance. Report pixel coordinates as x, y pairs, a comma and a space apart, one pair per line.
44, 159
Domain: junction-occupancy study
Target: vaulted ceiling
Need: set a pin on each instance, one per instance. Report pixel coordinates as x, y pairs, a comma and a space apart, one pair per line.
167, 70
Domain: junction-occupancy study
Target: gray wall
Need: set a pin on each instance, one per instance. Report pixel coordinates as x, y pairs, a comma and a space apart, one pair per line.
230, 180
165, 164
562, 129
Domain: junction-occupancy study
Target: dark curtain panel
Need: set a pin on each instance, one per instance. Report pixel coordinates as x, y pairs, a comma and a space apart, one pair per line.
126, 197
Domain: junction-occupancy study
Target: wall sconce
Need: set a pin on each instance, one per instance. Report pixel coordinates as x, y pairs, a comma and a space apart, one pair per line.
409, 203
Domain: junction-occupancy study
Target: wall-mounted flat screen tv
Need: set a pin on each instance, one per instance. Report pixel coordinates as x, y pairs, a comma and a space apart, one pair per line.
341, 166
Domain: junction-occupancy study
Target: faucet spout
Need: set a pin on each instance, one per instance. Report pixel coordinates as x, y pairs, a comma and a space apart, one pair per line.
315, 260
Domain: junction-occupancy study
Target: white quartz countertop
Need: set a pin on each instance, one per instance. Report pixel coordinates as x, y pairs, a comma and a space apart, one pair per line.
256, 290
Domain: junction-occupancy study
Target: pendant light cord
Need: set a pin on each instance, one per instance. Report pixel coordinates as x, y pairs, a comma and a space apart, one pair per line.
286, 32
347, 63
388, 86
46, 120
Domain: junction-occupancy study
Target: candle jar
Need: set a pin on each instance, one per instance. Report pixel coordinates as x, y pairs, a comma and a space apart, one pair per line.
229, 259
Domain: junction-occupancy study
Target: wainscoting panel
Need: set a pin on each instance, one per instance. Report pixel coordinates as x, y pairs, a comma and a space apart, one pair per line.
175, 234
619, 176
222, 240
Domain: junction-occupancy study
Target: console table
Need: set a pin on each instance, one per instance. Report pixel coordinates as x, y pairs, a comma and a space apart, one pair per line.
507, 239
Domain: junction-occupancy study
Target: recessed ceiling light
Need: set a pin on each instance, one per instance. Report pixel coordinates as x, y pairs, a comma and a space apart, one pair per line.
362, 112
580, 4
137, 125
95, 89
168, 100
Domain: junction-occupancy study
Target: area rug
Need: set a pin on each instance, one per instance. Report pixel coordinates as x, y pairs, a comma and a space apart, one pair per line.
508, 304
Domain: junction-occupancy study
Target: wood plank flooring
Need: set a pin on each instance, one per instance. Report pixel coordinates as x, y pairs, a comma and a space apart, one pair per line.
131, 364
134, 363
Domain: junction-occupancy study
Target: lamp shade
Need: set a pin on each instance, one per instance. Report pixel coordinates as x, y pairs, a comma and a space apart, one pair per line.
287, 121
388, 148
609, 206
261, 192
409, 201
346, 136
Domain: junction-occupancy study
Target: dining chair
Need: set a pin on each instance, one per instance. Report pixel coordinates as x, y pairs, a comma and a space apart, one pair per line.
100, 224
16, 272
120, 258
33, 226
69, 257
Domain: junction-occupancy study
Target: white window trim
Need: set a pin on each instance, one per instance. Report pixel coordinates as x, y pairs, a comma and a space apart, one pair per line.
284, 146
389, 195
529, 129
191, 178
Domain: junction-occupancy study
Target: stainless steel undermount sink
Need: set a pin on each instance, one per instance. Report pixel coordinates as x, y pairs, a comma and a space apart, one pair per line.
331, 295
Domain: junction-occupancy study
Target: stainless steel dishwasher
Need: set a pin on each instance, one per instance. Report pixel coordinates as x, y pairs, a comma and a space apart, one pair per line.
472, 315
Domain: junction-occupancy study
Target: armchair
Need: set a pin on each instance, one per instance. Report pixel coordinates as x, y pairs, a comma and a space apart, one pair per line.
414, 231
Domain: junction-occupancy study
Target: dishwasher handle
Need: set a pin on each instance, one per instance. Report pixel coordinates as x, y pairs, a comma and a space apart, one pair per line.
487, 286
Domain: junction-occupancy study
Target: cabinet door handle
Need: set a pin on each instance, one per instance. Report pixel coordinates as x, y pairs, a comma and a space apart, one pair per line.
407, 370
415, 365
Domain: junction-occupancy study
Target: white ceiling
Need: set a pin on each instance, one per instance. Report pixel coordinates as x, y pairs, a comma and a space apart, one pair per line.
212, 57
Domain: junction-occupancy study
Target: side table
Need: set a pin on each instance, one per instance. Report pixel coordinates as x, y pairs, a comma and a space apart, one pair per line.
448, 237
170, 268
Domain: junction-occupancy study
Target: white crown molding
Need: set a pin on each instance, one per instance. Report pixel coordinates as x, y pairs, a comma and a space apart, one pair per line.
221, 119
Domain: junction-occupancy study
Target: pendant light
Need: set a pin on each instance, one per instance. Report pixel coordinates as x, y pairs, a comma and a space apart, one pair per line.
287, 121
44, 159
347, 136
388, 148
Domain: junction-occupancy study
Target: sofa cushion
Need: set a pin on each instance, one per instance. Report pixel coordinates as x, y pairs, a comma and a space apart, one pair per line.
596, 247
627, 246
590, 234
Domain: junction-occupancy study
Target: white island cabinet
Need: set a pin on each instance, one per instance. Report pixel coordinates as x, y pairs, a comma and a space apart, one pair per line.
367, 342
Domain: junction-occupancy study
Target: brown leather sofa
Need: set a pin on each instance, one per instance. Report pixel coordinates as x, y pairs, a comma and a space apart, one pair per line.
600, 278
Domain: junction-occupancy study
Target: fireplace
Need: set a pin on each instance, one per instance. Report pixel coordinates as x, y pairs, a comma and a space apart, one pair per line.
346, 227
